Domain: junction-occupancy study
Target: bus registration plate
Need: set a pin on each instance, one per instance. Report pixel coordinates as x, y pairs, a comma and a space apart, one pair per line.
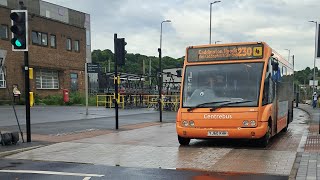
218, 133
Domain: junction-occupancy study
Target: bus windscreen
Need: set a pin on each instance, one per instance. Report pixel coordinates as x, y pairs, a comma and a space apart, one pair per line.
220, 53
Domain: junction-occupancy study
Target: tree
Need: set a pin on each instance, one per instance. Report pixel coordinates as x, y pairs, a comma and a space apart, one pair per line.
134, 62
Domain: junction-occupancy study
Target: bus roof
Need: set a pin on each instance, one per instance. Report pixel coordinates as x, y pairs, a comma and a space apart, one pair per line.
226, 44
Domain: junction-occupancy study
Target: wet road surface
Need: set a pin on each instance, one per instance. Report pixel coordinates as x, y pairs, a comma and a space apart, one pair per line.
27, 170
157, 147
48, 121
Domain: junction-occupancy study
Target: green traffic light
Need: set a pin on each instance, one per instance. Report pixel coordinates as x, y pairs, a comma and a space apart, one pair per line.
18, 43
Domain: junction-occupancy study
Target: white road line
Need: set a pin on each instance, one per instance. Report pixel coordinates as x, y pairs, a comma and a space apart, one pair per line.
87, 178
51, 173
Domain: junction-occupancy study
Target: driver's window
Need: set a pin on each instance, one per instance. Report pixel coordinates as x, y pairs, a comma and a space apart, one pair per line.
268, 86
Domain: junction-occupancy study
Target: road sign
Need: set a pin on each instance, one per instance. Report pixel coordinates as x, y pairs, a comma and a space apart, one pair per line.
311, 83
3, 54
93, 68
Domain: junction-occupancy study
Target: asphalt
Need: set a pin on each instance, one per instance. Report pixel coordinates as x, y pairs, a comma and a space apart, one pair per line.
111, 172
45, 114
280, 149
156, 146
59, 120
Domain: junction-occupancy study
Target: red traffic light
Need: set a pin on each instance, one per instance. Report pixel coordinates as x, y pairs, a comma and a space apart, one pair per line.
17, 16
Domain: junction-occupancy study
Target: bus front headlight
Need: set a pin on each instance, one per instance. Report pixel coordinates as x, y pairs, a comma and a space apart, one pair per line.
245, 123
185, 123
191, 123
253, 123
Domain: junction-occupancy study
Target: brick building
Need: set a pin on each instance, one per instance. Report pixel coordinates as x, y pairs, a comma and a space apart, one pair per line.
59, 47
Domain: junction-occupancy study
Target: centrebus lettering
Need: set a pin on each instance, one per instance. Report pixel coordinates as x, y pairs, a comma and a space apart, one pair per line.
217, 116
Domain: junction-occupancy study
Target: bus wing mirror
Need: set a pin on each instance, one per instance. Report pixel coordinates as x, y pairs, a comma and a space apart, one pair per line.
275, 66
276, 74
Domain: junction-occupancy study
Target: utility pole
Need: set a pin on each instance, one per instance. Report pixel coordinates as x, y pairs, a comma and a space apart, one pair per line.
143, 68
150, 71
160, 85
109, 63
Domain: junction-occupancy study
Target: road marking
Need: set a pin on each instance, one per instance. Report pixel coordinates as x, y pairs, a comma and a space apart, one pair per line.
87, 178
51, 173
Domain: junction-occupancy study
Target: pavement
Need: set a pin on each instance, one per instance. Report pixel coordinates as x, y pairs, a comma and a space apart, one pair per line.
308, 158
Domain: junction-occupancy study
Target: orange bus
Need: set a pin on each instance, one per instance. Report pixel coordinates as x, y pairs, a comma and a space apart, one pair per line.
236, 91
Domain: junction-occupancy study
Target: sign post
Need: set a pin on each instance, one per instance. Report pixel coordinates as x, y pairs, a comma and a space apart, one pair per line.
90, 68
86, 82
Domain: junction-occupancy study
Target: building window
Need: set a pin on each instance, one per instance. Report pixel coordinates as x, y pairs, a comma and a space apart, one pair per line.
76, 46
74, 81
47, 79
39, 38
53, 41
69, 44
44, 39
2, 80
4, 32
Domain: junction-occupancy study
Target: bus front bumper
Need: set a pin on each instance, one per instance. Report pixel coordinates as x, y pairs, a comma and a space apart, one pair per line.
232, 133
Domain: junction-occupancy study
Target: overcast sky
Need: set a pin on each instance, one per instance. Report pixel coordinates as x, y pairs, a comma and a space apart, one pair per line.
283, 24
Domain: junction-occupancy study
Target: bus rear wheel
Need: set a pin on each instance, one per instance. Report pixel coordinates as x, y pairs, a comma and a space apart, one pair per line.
288, 120
264, 141
183, 141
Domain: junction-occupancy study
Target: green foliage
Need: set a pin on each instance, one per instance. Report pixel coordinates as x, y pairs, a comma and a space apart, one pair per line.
52, 100
74, 99
134, 62
303, 76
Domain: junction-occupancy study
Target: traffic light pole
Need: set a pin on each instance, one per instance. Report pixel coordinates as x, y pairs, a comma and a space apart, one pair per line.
116, 107
27, 97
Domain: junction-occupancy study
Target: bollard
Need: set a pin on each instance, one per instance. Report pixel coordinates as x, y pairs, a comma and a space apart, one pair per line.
297, 100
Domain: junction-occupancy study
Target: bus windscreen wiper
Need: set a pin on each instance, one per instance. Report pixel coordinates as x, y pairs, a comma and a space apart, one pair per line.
228, 103
206, 103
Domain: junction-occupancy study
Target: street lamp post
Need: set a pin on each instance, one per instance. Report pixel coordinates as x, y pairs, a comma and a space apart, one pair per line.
216, 42
210, 17
160, 72
315, 54
288, 54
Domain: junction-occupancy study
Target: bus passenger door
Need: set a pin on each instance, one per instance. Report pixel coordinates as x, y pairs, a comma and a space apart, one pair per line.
275, 93
270, 95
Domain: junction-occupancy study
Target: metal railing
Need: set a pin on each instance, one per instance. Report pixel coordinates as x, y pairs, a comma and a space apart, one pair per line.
169, 102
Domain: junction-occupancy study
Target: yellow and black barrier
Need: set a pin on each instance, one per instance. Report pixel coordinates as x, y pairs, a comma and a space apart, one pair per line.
107, 100
169, 102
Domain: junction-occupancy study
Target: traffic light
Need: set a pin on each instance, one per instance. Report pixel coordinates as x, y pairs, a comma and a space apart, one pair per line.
19, 29
120, 51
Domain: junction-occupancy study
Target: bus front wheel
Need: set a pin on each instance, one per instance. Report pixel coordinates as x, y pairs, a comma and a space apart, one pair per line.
183, 141
264, 141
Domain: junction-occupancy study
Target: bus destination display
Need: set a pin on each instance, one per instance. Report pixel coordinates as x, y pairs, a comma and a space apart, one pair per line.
251, 51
